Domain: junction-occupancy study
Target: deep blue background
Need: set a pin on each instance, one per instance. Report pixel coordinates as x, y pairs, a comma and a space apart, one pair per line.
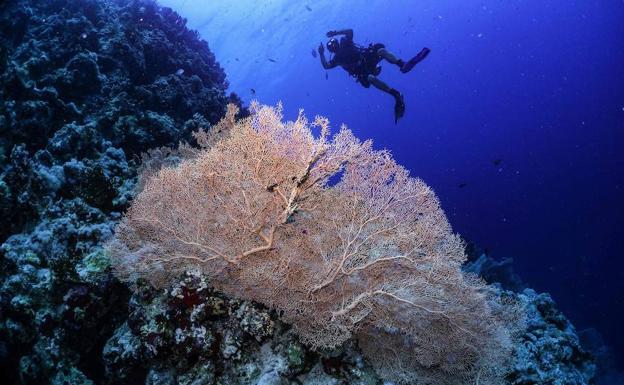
537, 84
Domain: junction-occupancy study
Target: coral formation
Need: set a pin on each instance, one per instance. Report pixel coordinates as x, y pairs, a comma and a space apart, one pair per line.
370, 256
94, 81
492, 271
84, 88
191, 334
549, 351
167, 320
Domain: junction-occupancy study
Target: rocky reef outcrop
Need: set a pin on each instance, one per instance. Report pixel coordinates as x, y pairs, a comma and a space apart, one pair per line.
97, 82
85, 87
190, 334
549, 350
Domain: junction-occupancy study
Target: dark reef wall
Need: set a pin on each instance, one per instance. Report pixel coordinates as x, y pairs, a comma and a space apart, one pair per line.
85, 87
84, 79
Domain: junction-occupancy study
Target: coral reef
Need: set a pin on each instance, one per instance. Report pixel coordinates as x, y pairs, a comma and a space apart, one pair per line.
83, 80
371, 256
492, 271
85, 87
190, 334
549, 351
188, 328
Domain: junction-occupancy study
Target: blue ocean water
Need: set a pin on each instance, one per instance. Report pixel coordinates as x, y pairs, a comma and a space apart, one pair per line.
516, 119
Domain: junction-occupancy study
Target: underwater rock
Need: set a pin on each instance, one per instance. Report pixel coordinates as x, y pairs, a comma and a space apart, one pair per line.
85, 87
189, 333
100, 61
491, 270
549, 351
495, 271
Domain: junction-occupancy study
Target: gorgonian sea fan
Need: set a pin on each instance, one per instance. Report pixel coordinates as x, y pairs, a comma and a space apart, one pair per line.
370, 257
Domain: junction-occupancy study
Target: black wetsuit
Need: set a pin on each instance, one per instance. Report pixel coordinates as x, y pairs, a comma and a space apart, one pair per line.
358, 61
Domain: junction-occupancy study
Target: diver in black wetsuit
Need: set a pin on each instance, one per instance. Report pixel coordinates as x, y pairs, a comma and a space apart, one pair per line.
363, 63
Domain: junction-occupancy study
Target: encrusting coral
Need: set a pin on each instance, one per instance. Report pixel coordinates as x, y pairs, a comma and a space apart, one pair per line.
257, 210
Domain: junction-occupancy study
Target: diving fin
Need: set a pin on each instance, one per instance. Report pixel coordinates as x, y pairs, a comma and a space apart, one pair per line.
408, 65
399, 107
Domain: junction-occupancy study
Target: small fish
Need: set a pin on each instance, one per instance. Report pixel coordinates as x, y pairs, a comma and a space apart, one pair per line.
253, 92
496, 162
462, 185
179, 72
313, 53
236, 59
272, 60
308, 8
326, 76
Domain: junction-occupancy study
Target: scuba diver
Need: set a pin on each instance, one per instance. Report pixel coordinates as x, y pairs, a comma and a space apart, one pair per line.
363, 63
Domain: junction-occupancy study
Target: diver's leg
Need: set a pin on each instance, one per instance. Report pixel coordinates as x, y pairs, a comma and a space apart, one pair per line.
389, 56
399, 104
404, 66
381, 85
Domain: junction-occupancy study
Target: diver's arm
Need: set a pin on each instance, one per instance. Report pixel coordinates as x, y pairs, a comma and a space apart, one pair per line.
324, 62
347, 32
